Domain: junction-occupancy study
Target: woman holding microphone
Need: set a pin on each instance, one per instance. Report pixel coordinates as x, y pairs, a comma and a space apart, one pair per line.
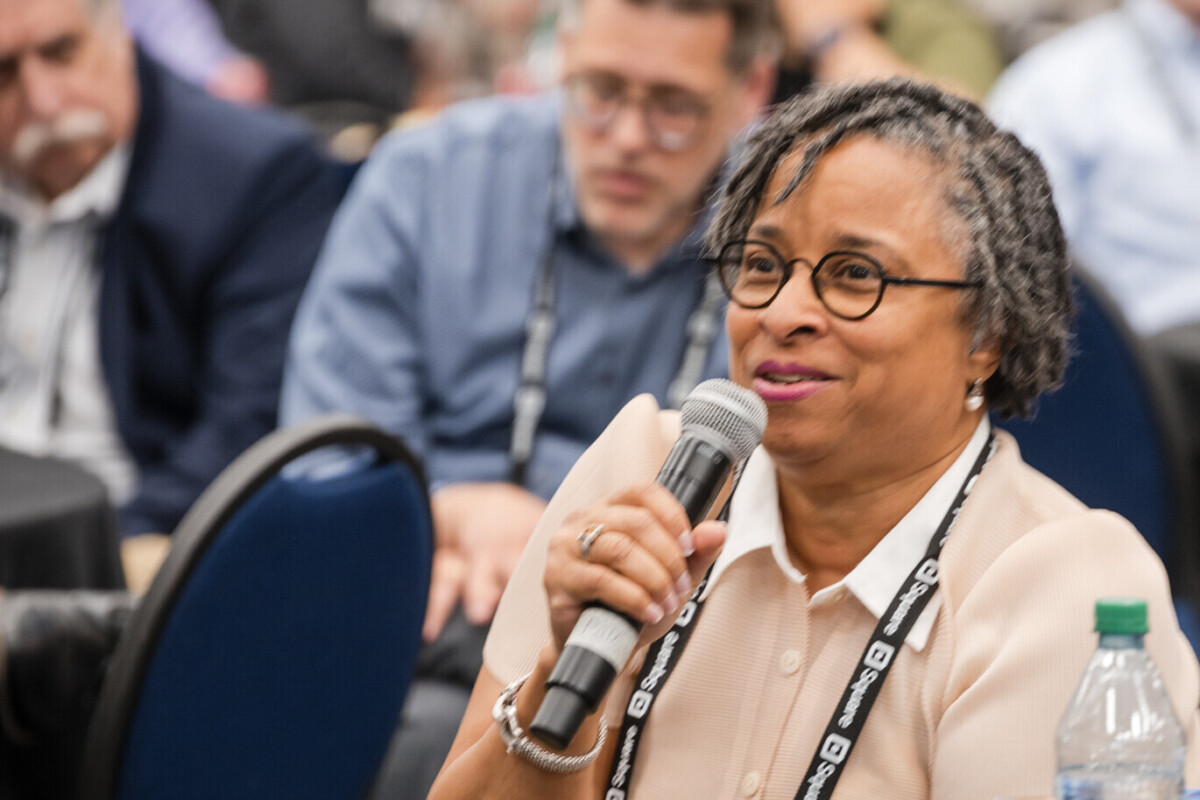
897, 605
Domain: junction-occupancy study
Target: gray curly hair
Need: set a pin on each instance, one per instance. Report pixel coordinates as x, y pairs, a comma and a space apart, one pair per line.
995, 187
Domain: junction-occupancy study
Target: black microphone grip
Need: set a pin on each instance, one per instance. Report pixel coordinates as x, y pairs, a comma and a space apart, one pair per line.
694, 472
602, 640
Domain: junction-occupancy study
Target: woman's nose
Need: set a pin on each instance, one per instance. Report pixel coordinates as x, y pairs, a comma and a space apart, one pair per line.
797, 309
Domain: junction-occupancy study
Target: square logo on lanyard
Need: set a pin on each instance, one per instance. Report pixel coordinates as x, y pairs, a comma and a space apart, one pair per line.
879, 655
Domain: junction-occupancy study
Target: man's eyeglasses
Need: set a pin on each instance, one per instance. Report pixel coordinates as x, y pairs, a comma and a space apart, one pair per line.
673, 117
849, 284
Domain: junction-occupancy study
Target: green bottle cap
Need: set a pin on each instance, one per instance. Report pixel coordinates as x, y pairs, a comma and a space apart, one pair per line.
1121, 615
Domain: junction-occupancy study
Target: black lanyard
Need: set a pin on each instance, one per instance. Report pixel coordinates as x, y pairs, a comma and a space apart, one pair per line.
847, 722
8, 259
530, 400
8, 252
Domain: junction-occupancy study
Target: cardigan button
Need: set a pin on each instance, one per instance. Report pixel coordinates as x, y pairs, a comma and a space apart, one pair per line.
751, 783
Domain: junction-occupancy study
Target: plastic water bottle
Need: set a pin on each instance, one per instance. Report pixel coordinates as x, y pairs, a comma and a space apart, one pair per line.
1119, 738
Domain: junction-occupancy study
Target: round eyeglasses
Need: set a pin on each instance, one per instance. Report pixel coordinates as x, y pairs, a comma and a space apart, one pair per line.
673, 117
849, 284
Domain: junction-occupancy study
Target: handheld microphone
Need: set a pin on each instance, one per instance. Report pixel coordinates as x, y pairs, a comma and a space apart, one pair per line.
722, 424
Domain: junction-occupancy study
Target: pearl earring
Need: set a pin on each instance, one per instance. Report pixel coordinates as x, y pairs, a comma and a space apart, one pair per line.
975, 396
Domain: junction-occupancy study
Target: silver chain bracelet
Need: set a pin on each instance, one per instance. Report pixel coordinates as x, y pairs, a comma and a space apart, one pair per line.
515, 740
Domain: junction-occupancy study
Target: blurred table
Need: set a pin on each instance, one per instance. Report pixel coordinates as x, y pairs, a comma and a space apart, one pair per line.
57, 531
57, 527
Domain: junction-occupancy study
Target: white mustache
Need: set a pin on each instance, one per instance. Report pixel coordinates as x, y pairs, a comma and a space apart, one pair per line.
72, 126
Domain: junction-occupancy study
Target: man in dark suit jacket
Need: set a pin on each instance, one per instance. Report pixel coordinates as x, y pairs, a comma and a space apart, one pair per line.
216, 214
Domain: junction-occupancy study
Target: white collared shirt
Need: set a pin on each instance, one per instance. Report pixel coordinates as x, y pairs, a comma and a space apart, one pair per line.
53, 396
755, 523
1112, 108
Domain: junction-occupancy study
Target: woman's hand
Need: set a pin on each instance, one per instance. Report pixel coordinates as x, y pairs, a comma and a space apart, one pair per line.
643, 564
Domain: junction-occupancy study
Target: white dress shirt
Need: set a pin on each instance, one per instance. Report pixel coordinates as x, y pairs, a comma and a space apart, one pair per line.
755, 523
54, 400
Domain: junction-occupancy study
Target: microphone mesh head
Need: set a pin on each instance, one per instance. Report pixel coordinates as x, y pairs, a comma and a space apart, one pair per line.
735, 415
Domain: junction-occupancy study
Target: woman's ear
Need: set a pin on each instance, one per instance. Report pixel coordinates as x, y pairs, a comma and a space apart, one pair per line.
984, 358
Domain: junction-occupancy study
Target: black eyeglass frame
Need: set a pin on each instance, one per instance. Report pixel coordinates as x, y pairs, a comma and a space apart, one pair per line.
787, 267
601, 123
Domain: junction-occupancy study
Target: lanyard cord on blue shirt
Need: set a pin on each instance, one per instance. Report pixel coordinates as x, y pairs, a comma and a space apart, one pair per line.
851, 713
1161, 81
8, 248
530, 400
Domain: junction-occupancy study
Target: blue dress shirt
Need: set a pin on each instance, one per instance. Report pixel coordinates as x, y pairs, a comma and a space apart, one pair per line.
1112, 106
415, 315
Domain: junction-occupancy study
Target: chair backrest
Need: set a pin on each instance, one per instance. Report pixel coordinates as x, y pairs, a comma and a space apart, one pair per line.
271, 655
1113, 436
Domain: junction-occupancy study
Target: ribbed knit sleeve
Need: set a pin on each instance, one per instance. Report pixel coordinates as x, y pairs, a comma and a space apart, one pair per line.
1022, 636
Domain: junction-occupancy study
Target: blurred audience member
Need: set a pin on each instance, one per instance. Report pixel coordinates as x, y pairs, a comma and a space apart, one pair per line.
1021, 24
154, 242
501, 281
356, 68
333, 62
186, 36
466, 48
1112, 106
837, 41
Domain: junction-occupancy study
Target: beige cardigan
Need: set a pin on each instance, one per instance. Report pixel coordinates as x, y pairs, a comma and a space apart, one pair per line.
971, 716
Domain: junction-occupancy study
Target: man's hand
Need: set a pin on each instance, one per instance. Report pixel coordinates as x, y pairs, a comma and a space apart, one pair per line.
480, 531
141, 556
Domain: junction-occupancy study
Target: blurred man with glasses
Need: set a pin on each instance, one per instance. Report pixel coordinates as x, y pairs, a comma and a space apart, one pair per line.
500, 282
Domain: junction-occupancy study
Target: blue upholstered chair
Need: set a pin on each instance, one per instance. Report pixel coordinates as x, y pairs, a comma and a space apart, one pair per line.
1113, 436
271, 655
